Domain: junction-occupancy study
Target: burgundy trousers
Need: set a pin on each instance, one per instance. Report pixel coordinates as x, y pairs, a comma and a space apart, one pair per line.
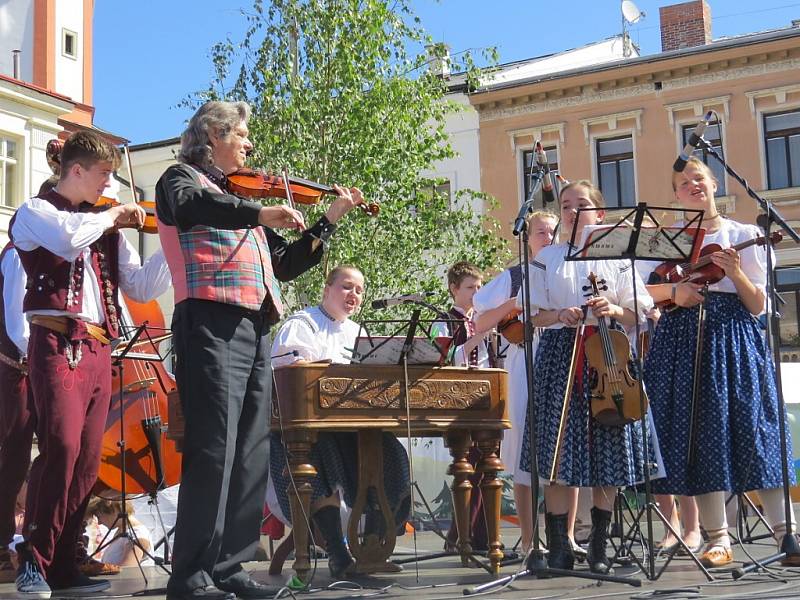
71, 407
16, 438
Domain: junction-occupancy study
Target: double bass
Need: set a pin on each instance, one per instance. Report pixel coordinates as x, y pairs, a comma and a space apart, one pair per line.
152, 461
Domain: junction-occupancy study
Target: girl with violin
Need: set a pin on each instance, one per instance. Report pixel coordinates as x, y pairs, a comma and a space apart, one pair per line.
226, 261
725, 437
496, 305
595, 455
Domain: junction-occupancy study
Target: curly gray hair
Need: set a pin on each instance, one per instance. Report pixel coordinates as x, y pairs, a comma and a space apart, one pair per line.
221, 117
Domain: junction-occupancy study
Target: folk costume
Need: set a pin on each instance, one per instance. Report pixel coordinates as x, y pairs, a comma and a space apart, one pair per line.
315, 336
737, 443
225, 268
592, 454
16, 414
75, 267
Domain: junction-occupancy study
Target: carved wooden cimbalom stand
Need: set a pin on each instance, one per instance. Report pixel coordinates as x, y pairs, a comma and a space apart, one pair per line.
465, 406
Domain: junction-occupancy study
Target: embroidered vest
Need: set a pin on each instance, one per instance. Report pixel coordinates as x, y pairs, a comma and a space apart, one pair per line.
232, 266
57, 284
7, 347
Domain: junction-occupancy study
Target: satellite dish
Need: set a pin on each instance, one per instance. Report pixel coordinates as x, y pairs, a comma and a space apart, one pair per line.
631, 12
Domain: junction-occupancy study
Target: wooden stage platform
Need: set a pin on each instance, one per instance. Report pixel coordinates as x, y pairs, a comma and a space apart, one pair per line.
444, 578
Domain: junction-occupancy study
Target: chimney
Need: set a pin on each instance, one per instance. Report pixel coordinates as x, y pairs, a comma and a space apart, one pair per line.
685, 25
15, 63
439, 59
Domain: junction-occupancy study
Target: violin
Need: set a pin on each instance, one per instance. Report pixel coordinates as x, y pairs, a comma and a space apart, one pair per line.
150, 222
256, 184
614, 390
702, 271
512, 328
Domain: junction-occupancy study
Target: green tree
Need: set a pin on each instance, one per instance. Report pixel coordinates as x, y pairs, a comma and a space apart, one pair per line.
341, 92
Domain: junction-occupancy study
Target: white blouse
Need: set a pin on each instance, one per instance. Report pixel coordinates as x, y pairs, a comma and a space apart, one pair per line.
314, 336
731, 233
557, 283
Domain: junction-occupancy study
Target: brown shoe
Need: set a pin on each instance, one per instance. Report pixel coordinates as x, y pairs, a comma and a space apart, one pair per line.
8, 573
716, 556
93, 568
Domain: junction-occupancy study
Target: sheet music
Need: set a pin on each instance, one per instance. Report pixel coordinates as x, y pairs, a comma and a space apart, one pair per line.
378, 350
664, 243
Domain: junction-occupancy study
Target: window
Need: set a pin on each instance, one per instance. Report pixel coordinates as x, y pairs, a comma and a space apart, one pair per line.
527, 159
8, 172
69, 43
443, 189
788, 284
782, 141
713, 136
615, 171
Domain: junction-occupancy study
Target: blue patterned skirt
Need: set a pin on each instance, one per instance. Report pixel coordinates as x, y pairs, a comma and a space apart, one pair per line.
592, 454
737, 444
335, 455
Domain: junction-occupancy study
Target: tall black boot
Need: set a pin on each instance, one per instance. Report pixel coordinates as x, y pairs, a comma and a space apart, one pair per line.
596, 554
560, 555
330, 525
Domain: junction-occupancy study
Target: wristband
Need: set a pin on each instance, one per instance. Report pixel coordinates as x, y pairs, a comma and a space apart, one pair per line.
674, 292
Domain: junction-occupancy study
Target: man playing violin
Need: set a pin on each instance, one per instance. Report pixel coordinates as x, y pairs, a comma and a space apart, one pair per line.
75, 260
226, 261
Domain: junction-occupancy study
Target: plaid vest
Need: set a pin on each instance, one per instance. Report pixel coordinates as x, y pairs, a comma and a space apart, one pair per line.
232, 266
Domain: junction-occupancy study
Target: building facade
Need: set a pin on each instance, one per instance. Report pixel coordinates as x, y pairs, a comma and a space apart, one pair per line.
622, 124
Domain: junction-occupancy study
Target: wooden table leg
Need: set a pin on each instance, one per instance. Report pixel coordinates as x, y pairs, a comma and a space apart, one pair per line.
491, 487
298, 447
373, 555
459, 443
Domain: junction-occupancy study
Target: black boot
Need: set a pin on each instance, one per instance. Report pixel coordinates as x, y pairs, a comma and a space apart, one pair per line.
560, 555
596, 554
330, 525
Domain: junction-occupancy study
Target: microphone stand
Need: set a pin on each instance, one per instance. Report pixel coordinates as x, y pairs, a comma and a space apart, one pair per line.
789, 544
535, 561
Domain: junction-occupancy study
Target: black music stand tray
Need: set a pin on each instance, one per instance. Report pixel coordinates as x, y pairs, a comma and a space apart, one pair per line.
118, 357
630, 240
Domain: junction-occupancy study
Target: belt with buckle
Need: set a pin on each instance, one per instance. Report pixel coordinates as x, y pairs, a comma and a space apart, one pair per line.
14, 364
62, 325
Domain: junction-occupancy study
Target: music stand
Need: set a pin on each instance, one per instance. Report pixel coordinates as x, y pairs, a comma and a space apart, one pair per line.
629, 240
119, 356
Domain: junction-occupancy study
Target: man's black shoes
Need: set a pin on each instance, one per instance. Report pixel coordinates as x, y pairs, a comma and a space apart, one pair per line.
251, 589
206, 592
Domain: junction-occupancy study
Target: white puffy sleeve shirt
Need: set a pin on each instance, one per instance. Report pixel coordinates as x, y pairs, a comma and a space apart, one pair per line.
14, 281
557, 283
493, 294
314, 336
753, 258
69, 235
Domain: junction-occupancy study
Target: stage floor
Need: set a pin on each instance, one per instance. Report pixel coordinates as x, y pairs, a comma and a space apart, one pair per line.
443, 578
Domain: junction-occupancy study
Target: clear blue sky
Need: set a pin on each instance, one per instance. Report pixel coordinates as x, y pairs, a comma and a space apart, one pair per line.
150, 54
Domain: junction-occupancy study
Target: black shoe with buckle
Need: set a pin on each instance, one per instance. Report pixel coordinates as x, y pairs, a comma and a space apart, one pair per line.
250, 589
204, 592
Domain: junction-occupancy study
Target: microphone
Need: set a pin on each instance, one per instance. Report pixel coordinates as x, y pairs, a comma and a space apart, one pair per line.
405, 299
540, 156
692, 143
